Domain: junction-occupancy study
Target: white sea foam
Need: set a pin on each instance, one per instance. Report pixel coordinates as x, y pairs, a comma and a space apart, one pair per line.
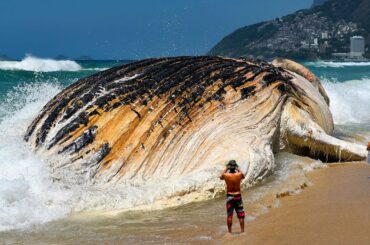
333, 64
349, 101
27, 195
31, 63
96, 69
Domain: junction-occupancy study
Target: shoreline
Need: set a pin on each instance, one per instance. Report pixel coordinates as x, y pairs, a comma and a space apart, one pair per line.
334, 210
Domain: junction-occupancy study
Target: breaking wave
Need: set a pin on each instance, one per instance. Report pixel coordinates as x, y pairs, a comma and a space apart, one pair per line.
349, 101
27, 195
332, 64
31, 63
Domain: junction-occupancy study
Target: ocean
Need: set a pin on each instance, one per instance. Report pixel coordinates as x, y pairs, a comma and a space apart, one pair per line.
33, 209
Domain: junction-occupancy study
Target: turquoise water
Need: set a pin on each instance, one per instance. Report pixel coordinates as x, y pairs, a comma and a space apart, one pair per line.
28, 196
348, 86
340, 73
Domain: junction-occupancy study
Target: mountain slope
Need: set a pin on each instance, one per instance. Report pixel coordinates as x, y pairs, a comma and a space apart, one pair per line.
311, 33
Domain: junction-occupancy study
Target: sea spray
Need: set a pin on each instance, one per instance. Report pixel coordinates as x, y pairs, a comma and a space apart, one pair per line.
31, 63
349, 101
27, 195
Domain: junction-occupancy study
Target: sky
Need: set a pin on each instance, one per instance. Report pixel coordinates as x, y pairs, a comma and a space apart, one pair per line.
122, 29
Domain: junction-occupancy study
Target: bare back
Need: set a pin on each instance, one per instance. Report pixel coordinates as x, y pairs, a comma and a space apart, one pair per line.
233, 181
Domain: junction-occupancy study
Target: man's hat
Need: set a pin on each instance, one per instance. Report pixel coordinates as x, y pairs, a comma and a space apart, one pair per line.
232, 164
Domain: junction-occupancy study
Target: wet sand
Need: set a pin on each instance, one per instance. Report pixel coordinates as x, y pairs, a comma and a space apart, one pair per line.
334, 210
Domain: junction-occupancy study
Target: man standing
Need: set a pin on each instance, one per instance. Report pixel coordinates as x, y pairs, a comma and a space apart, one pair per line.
233, 177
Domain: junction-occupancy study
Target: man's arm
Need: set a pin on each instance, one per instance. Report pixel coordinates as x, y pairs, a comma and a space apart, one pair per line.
240, 173
222, 177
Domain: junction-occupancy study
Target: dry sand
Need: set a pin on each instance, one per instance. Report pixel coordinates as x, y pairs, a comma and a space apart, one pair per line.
334, 210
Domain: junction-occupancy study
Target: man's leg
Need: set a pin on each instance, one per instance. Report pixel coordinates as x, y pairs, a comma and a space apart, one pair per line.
230, 212
240, 212
229, 223
241, 221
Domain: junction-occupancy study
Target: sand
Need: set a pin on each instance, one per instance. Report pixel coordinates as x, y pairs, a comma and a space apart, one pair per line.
334, 210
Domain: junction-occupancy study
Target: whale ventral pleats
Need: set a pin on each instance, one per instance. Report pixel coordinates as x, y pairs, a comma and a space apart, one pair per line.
187, 77
169, 116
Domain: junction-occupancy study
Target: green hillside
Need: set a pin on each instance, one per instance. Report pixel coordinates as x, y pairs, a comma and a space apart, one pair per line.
312, 33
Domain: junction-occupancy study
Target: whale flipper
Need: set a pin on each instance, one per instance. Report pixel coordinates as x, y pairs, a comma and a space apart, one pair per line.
306, 137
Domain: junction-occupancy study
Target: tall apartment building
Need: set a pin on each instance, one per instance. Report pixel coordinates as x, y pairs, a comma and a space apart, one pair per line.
357, 47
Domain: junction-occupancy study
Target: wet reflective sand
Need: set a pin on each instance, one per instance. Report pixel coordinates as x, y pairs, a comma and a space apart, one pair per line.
335, 210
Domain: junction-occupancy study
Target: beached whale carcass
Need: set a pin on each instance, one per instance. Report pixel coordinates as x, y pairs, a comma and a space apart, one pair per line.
171, 117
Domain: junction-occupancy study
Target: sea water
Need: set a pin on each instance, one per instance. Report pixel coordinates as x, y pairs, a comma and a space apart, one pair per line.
34, 209
27, 195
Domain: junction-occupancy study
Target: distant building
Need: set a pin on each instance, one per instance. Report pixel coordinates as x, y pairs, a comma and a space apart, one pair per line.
315, 41
357, 47
324, 35
305, 45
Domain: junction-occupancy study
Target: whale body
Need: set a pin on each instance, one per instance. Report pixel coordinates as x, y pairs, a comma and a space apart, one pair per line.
165, 118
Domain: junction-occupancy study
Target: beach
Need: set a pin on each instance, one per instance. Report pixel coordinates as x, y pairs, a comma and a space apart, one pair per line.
119, 121
334, 210
331, 203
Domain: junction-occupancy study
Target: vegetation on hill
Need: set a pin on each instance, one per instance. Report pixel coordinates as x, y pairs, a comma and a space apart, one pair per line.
313, 33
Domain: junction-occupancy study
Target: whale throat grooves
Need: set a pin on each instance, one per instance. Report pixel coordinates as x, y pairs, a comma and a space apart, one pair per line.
170, 117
